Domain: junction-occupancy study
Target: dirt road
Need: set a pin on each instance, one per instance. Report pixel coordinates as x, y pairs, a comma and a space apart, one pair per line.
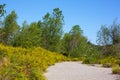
78, 71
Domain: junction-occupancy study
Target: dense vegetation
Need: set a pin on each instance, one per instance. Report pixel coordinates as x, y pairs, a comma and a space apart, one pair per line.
25, 64
48, 34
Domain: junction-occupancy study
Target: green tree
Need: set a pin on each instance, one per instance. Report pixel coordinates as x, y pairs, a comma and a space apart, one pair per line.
74, 43
66, 45
115, 38
76, 35
2, 10
45, 31
21, 35
103, 36
115, 32
109, 39
29, 36
10, 27
52, 30
104, 39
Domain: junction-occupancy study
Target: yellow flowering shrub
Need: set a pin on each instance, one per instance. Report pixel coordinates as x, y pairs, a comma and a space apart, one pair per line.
26, 64
116, 69
109, 61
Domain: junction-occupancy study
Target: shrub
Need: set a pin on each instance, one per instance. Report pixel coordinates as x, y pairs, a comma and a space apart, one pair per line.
116, 69
109, 61
90, 60
26, 64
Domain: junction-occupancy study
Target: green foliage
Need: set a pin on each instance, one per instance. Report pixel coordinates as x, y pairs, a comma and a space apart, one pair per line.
115, 32
28, 36
10, 27
75, 45
90, 60
2, 10
104, 36
73, 42
46, 33
65, 44
26, 64
92, 56
109, 39
52, 30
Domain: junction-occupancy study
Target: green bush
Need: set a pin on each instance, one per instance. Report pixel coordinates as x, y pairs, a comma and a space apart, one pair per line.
90, 60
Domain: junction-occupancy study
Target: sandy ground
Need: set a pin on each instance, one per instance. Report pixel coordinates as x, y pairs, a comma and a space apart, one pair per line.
78, 71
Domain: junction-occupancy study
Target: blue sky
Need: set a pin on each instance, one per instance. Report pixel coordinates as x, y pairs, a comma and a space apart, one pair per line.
89, 14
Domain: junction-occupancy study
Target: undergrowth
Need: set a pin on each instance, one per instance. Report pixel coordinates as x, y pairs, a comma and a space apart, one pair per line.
26, 64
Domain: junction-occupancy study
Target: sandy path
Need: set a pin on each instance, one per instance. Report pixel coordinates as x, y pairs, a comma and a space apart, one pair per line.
78, 71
